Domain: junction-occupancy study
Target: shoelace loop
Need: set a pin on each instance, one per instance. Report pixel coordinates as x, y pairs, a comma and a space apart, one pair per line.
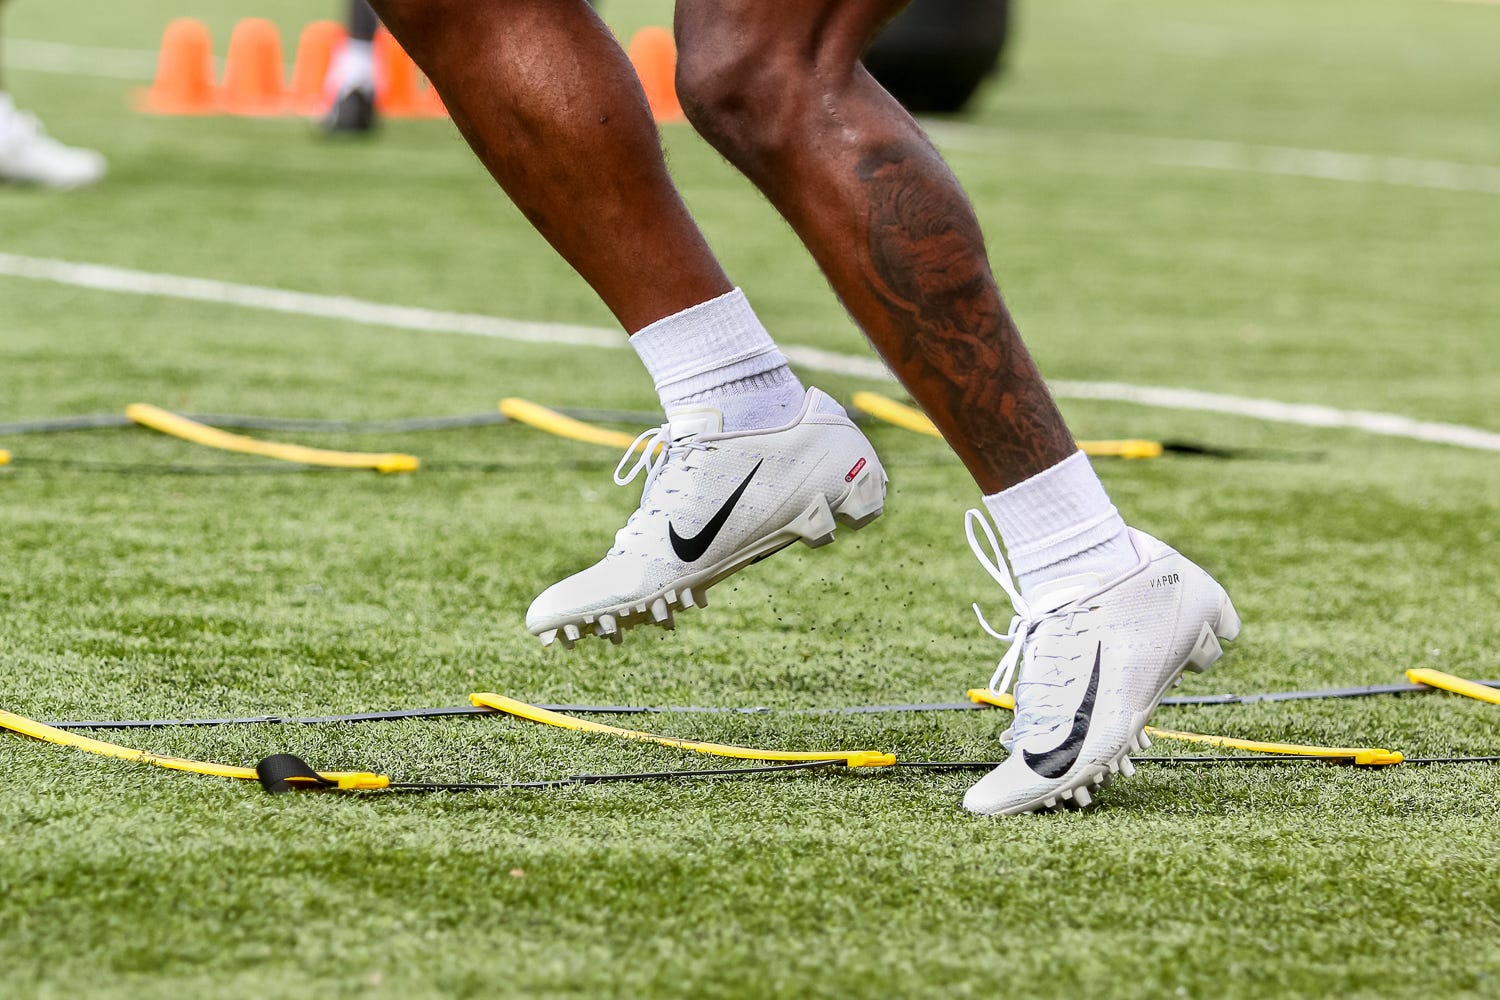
1024, 620
651, 448
648, 449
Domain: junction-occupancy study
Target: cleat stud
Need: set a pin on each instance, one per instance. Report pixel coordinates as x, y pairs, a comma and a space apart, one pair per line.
703, 597
687, 597
548, 637
660, 613
1082, 798
640, 608
1144, 740
1127, 767
607, 626
571, 634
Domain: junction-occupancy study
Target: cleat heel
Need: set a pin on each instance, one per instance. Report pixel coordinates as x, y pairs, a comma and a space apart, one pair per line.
865, 501
815, 525
1206, 651
1228, 625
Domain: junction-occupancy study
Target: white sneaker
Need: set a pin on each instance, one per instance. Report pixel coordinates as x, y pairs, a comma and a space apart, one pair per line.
28, 155
714, 503
1095, 659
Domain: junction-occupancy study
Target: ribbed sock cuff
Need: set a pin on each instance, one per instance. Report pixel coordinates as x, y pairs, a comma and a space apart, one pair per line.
1054, 516
706, 346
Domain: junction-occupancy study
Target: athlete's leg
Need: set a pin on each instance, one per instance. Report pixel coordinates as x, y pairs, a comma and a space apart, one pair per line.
779, 90
362, 21
750, 463
548, 100
351, 78
1109, 618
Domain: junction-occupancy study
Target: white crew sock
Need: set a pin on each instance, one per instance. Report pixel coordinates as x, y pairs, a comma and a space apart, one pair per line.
719, 354
1061, 523
353, 68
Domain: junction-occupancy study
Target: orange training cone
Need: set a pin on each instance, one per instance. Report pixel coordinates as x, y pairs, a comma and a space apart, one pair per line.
315, 49
654, 55
252, 71
395, 77
184, 82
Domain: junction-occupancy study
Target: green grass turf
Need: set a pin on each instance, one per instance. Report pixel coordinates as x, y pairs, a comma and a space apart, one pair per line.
1351, 557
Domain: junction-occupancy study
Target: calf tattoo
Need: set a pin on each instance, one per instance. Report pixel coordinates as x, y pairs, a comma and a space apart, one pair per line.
952, 343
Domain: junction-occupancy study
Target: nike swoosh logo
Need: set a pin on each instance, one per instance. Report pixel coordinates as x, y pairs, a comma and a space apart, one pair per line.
692, 549
1054, 763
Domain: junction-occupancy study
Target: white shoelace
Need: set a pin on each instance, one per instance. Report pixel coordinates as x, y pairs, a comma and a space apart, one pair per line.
1023, 622
652, 449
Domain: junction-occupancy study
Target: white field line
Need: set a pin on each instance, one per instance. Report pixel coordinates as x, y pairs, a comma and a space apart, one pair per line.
1302, 414
1282, 161
122, 280
1321, 164
118, 279
77, 60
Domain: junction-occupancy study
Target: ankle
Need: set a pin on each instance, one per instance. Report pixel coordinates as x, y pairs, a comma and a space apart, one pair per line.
1060, 523
718, 354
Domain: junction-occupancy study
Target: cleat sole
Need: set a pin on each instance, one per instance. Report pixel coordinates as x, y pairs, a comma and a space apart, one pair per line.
814, 527
1205, 652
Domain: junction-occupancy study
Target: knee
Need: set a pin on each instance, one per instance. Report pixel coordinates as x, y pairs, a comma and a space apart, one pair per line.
743, 96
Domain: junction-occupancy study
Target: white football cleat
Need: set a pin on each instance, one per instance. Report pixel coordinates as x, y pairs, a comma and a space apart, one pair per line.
714, 503
28, 155
1095, 658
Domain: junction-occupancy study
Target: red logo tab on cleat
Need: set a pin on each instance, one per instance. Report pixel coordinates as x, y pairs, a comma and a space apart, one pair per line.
854, 471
